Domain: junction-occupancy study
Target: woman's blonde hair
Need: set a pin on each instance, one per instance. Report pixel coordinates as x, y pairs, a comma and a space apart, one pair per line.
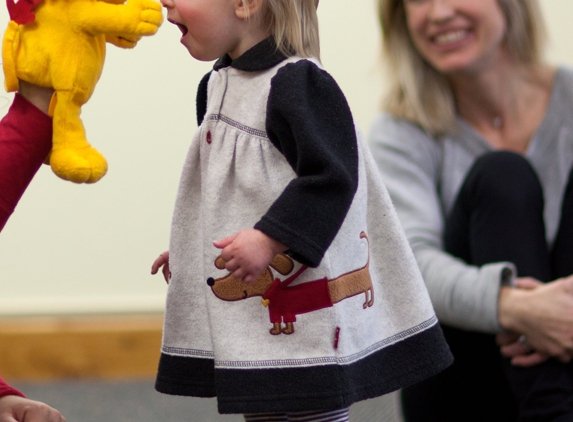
293, 24
421, 94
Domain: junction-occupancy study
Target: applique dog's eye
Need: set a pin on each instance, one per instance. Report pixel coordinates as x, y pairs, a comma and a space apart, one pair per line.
209, 138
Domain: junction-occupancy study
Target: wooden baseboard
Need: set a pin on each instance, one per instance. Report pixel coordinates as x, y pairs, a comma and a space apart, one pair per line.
115, 346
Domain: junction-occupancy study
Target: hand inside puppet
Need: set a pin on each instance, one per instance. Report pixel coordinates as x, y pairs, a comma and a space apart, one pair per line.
60, 44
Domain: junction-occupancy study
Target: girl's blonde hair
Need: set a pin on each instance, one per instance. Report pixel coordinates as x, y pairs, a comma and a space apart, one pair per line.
293, 24
421, 94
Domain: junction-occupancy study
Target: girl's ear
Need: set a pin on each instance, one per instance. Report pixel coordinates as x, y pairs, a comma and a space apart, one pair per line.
247, 8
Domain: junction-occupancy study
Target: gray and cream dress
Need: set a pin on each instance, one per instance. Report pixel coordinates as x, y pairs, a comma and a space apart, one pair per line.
343, 315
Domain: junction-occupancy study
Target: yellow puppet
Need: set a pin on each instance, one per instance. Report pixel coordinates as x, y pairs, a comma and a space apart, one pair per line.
61, 44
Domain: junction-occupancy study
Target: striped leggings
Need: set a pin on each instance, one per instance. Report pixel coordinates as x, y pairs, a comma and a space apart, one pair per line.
340, 415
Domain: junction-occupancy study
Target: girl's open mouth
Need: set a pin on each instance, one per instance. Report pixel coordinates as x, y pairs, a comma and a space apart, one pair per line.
181, 27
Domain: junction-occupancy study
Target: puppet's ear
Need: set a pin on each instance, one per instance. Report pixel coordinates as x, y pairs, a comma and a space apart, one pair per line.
282, 263
245, 9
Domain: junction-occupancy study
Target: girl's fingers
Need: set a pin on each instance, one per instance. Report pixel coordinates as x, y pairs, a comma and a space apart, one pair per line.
159, 262
224, 242
166, 273
239, 274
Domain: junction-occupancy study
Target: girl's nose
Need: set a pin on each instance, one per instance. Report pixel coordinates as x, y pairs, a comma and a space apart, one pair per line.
167, 3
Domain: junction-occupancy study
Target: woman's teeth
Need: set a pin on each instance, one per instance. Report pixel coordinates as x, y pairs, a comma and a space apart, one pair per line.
450, 37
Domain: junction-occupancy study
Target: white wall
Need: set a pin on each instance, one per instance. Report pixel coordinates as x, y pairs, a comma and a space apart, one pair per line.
88, 248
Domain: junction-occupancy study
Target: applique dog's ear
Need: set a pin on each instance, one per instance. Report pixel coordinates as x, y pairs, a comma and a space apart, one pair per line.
282, 263
219, 263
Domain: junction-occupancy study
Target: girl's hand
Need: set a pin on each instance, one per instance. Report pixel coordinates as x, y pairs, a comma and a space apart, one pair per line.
19, 409
543, 313
248, 252
162, 261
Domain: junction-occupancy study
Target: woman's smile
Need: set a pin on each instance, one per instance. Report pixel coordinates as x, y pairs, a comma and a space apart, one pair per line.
450, 37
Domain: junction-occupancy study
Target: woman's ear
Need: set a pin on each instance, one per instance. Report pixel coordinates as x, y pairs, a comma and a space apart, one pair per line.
247, 8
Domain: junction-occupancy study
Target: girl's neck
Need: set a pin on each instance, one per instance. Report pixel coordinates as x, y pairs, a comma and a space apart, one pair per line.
252, 35
504, 104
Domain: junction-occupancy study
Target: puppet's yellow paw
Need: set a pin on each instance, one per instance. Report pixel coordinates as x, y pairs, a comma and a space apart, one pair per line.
147, 15
84, 165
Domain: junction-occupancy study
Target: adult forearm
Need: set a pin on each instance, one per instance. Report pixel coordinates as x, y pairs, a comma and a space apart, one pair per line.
37, 95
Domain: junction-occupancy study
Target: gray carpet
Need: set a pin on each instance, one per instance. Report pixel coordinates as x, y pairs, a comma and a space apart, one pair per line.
137, 401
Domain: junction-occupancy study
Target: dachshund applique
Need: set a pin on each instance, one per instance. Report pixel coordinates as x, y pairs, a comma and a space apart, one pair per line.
285, 301
61, 44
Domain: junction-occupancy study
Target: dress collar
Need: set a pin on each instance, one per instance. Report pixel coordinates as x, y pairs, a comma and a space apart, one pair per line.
262, 56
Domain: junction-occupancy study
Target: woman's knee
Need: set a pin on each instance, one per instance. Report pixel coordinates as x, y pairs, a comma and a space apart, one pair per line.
505, 177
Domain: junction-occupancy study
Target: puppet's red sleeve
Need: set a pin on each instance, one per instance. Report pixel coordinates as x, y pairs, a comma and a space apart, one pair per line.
6, 390
25, 142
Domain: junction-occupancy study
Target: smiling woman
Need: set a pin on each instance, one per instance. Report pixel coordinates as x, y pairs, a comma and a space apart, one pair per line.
476, 149
467, 40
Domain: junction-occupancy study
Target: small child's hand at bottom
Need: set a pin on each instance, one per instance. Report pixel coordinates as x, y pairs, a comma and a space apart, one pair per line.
162, 261
248, 252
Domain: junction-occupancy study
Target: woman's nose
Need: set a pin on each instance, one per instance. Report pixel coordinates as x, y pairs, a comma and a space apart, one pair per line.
167, 3
441, 10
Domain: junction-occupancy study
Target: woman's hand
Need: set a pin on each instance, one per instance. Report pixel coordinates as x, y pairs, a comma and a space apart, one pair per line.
162, 261
248, 252
516, 347
19, 409
543, 313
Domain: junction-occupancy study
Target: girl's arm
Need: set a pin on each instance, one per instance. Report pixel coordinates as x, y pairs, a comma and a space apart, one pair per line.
309, 122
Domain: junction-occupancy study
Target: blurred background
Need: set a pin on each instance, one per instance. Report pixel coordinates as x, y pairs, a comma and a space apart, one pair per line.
80, 314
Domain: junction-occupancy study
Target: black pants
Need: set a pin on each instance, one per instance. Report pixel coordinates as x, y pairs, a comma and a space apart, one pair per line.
498, 216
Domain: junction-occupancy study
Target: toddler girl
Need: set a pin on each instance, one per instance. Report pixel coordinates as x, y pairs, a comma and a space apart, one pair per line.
281, 216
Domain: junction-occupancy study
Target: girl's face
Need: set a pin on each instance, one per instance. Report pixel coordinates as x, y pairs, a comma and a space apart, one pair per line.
210, 28
456, 35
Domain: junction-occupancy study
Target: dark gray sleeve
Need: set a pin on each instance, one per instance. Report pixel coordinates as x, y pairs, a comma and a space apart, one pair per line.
201, 102
310, 123
410, 162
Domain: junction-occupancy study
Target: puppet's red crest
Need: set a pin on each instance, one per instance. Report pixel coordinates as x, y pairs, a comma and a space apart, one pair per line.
22, 12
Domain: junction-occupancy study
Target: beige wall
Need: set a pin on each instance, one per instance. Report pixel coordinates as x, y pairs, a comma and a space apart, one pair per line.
80, 249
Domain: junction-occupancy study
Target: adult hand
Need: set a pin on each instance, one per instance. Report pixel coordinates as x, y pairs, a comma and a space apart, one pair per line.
515, 346
37, 95
162, 262
543, 313
19, 409
248, 252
